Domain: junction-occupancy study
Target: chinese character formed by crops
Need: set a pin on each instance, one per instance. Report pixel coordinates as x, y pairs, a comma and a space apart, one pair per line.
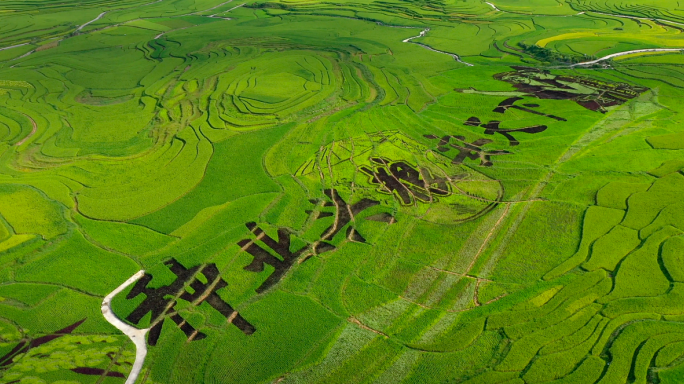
592, 94
404, 180
260, 245
492, 127
161, 301
344, 215
510, 104
281, 246
472, 151
407, 176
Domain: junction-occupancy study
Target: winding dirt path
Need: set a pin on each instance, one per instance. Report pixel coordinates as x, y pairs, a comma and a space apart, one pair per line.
136, 335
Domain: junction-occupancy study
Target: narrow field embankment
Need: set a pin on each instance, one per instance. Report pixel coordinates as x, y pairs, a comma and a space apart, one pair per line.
33, 131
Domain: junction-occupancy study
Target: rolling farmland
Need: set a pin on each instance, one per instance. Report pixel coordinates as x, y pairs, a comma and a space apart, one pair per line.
301, 191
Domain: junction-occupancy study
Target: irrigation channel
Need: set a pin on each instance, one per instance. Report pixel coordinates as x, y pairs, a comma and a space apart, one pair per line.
422, 34
136, 335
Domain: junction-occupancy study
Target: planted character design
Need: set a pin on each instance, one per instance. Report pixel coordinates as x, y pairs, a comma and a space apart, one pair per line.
510, 104
404, 180
161, 301
258, 246
492, 127
344, 215
411, 178
592, 94
281, 246
472, 151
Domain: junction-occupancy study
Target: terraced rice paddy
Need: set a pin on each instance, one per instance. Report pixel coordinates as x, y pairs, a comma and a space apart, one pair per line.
353, 192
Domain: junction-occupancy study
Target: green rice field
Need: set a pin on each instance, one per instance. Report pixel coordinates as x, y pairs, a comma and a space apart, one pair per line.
368, 191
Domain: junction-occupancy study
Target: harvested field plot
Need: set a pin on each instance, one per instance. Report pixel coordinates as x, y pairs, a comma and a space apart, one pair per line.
352, 192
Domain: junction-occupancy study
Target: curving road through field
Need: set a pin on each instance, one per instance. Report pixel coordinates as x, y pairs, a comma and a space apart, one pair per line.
628, 53
493, 6
91, 21
136, 335
13, 46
